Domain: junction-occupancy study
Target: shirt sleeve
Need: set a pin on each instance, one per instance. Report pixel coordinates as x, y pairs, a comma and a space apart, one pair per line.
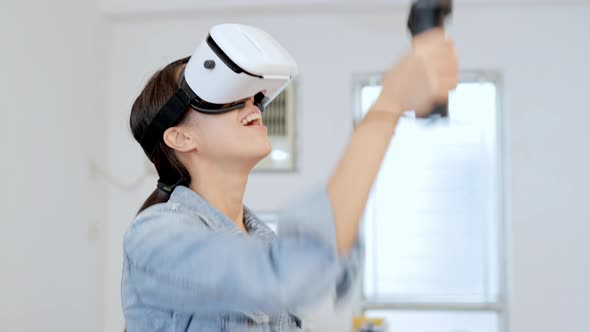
309, 213
176, 262
349, 271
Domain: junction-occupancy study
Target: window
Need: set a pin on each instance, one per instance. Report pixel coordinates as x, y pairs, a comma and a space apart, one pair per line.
432, 226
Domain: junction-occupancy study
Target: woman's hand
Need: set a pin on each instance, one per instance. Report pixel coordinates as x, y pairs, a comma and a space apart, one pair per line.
422, 78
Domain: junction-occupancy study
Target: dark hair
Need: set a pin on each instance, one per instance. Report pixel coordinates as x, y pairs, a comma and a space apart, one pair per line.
160, 87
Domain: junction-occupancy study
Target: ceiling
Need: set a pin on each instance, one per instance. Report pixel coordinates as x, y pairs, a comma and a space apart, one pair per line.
115, 7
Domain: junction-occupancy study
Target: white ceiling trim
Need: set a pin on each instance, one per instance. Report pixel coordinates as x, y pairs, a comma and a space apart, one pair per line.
131, 7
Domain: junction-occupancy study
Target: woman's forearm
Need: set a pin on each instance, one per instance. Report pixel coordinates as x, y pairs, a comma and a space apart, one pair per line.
354, 175
422, 78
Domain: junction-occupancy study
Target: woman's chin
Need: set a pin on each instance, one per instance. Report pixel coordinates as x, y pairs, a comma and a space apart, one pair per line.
256, 155
264, 152
267, 150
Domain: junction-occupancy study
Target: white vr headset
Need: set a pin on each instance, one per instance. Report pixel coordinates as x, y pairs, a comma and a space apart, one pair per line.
234, 63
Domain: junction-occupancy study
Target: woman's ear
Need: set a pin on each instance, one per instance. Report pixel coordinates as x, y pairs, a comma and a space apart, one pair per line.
180, 139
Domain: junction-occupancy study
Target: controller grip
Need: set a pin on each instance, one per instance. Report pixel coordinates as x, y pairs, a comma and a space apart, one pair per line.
426, 15
441, 110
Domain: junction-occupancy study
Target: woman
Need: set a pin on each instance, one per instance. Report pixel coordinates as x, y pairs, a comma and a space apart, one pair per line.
196, 259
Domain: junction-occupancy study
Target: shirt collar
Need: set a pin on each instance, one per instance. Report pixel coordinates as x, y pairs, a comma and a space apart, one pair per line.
217, 220
256, 227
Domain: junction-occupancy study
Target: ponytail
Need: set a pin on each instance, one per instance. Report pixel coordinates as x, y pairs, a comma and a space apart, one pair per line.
156, 197
160, 87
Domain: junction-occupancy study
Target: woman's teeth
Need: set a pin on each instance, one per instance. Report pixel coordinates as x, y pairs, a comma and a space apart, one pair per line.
251, 118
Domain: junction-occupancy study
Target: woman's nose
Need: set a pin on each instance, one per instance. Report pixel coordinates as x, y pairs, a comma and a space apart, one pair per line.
250, 101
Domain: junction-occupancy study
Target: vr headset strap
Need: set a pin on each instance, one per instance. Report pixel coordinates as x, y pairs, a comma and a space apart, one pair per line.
167, 117
175, 107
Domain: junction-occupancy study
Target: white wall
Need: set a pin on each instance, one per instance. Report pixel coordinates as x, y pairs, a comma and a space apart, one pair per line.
49, 256
542, 53
68, 80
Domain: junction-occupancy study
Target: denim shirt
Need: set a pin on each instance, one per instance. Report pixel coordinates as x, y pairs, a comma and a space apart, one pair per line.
187, 267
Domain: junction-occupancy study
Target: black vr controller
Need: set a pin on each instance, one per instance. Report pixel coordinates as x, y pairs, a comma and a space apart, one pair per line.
426, 15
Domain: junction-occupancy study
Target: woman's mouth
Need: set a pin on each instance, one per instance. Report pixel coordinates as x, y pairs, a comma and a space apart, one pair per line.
253, 119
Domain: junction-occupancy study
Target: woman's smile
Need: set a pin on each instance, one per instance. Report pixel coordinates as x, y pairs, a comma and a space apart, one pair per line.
253, 118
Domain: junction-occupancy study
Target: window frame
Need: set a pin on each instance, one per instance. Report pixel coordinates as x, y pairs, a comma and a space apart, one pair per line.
500, 306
